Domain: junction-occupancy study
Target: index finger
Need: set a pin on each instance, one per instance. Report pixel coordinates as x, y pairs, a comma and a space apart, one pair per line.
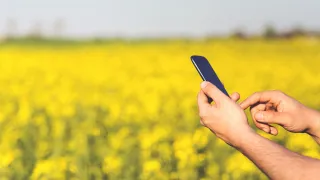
260, 97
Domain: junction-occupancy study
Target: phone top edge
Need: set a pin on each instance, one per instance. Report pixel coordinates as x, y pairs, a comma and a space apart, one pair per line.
197, 56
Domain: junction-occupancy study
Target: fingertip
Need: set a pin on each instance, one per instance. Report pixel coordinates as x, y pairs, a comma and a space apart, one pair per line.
235, 96
273, 131
203, 84
266, 129
243, 105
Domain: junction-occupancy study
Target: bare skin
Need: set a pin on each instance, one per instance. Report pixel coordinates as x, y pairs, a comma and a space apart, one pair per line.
227, 120
275, 107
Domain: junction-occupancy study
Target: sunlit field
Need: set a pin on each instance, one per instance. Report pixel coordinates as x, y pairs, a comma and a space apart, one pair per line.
127, 110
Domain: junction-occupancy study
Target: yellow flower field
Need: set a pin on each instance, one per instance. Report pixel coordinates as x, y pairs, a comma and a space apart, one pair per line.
127, 110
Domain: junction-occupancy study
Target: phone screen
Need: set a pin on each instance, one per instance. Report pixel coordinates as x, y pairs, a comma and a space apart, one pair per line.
207, 73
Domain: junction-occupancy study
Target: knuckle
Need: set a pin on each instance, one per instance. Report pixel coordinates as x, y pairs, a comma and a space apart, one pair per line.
203, 114
278, 92
268, 116
255, 94
205, 122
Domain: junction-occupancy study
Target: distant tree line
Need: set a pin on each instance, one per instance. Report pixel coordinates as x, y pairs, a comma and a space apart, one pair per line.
270, 32
57, 30
36, 30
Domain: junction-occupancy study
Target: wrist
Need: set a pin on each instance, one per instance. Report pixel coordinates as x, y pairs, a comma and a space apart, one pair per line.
243, 138
314, 123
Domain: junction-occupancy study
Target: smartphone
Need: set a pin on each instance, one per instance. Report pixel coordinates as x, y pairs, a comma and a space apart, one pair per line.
207, 73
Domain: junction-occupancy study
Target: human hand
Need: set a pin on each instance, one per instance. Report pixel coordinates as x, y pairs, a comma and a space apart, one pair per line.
275, 107
225, 117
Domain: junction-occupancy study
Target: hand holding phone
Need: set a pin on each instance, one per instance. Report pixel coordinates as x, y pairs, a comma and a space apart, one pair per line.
226, 119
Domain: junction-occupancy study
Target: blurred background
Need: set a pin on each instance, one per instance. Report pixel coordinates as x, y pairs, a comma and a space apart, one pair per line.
106, 90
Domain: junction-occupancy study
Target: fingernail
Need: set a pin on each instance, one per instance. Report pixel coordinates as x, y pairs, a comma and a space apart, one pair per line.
273, 131
266, 130
259, 116
204, 84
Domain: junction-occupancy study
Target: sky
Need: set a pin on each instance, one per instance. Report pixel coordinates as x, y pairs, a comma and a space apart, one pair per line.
144, 18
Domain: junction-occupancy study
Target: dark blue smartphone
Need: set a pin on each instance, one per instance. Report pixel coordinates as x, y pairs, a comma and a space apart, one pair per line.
207, 73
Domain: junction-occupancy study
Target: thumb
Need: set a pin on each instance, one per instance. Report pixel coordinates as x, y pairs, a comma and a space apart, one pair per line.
271, 117
213, 92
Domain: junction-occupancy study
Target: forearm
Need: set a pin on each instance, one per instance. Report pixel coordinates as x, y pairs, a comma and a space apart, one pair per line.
276, 161
314, 129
